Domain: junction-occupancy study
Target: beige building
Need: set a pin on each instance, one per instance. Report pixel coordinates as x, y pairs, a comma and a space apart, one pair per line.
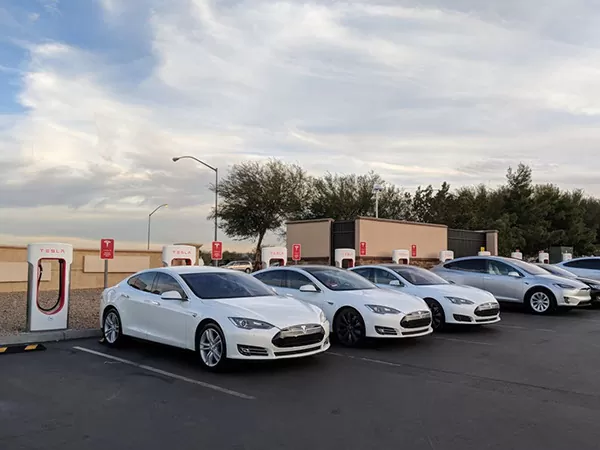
319, 239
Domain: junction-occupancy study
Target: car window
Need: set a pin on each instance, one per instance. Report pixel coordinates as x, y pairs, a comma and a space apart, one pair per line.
555, 270
165, 283
143, 281
499, 268
468, 265
418, 276
382, 276
366, 272
275, 278
218, 285
295, 279
593, 264
340, 279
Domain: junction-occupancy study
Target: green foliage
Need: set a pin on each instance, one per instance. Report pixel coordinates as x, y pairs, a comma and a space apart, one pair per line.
260, 197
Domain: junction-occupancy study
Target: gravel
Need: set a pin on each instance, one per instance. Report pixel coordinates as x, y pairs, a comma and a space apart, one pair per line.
84, 305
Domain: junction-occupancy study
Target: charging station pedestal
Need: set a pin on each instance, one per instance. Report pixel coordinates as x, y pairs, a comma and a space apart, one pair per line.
271, 255
544, 257
517, 255
344, 257
56, 317
179, 255
567, 256
446, 255
484, 253
401, 256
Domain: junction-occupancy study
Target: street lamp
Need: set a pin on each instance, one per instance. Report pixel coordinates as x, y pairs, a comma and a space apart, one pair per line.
177, 158
164, 205
376, 190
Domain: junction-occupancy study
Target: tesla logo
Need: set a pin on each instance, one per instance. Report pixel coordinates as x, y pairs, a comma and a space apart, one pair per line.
217, 244
107, 242
54, 251
303, 329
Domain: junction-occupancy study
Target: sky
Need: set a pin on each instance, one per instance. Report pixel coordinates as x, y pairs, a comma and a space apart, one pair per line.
97, 96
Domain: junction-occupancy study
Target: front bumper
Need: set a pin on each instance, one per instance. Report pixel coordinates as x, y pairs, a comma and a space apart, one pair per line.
259, 344
472, 314
396, 326
575, 297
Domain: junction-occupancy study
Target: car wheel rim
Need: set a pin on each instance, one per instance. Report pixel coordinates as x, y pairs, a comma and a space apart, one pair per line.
436, 315
540, 302
211, 347
349, 328
111, 327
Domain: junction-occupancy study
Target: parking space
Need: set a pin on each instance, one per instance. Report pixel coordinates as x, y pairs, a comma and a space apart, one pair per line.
529, 382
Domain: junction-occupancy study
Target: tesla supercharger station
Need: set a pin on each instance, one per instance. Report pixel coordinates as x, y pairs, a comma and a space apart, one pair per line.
179, 255
344, 257
446, 255
517, 255
484, 254
544, 257
271, 255
567, 256
401, 256
55, 317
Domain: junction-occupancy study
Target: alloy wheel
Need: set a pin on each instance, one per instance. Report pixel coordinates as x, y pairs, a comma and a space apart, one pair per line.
437, 315
211, 347
112, 327
349, 329
540, 302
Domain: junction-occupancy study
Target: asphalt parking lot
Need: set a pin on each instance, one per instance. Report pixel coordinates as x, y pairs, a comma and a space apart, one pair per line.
526, 383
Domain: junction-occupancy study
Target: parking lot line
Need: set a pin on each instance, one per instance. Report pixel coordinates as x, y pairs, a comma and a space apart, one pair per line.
463, 340
525, 328
168, 374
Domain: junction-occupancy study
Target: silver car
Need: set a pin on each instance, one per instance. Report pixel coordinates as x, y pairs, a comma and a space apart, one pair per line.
513, 280
588, 267
242, 266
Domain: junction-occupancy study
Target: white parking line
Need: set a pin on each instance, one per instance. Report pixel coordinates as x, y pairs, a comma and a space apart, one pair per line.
168, 374
526, 328
463, 340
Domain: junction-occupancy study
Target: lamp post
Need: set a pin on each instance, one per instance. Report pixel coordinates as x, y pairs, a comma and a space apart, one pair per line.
376, 190
164, 205
216, 171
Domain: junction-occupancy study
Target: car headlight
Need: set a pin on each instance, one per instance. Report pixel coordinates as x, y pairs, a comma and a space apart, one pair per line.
595, 286
322, 317
250, 324
378, 309
460, 301
564, 286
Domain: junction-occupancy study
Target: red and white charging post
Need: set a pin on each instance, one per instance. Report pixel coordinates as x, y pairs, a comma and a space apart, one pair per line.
107, 251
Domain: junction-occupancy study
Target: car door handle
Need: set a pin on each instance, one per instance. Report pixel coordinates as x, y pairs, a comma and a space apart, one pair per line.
155, 303
125, 296
330, 303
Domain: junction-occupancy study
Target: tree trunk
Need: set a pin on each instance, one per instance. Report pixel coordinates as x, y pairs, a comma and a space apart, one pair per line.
257, 255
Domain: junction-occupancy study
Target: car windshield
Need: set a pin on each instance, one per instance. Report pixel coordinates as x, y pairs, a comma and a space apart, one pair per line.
531, 269
419, 276
554, 270
340, 279
217, 285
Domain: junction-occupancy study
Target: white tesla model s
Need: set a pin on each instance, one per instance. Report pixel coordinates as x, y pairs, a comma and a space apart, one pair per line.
219, 313
355, 306
449, 303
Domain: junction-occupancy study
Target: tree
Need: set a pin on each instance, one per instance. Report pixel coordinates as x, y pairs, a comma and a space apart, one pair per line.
258, 197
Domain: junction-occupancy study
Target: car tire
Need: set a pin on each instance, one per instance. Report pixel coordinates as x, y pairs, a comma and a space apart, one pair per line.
540, 301
112, 329
247, 270
349, 327
211, 347
438, 317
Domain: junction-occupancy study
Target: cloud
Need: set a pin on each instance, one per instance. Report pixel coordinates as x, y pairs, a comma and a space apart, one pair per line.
421, 91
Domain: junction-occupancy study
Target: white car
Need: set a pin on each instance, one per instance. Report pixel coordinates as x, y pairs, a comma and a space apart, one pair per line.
449, 303
354, 306
220, 313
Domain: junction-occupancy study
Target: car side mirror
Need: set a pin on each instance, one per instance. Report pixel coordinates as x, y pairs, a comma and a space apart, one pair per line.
171, 295
395, 283
514, 274
451, 282
308, 288
273, 289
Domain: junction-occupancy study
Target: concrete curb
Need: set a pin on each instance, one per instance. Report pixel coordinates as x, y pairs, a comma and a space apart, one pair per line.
49, 336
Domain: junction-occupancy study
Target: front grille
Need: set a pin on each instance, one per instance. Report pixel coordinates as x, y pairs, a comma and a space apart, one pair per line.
386, 331
416, 319
251, 350
411, 333
298, 352
487, 312
298, 336
490, 319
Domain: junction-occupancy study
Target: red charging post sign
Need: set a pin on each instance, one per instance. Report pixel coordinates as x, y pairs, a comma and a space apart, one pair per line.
362, 251
413, 251
107, 249
296, 252
217, 251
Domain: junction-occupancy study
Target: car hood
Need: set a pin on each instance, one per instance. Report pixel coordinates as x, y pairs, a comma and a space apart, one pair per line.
556, 279
454, 290
401, 301
279, 311
587, 281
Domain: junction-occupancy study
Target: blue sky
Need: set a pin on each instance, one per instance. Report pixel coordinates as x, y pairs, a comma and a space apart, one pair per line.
96, 96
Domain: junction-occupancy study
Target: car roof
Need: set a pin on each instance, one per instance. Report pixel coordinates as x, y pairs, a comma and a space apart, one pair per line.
302, 267
181, 270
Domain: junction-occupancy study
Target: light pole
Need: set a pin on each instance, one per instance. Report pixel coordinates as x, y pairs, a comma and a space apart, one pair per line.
164, 205
376, 190
216, 170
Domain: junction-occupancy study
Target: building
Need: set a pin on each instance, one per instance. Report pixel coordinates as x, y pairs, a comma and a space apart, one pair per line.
379, 237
